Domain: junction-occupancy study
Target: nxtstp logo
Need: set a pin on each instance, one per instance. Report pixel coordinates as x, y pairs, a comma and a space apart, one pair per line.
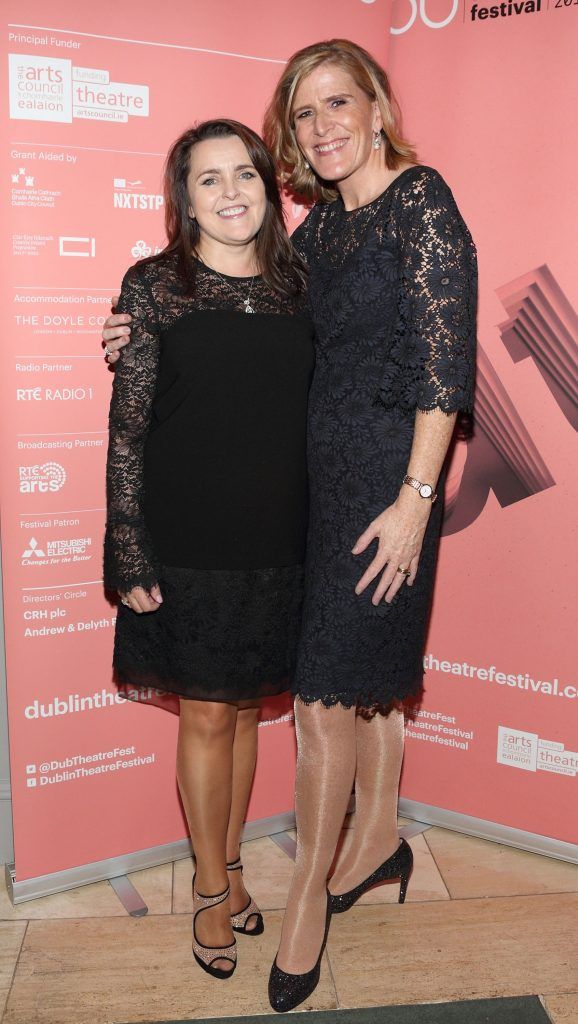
44, 88
132, 195
44, 479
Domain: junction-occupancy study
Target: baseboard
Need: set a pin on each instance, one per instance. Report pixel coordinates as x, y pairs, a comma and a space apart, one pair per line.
490, 830
85, 874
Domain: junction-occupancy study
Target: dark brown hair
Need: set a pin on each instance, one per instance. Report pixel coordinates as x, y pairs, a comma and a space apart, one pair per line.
281, 267
279, 131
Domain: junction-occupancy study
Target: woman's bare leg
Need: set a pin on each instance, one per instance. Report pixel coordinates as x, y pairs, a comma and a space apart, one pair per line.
205, 774
379, 741
244, 760
325, 772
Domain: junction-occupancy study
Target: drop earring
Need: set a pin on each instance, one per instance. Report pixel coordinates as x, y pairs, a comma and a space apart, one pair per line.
377, 140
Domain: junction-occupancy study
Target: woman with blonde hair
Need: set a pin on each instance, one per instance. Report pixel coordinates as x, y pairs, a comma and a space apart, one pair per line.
392, 284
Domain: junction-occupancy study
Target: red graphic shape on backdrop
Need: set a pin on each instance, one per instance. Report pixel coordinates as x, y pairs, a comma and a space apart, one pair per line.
543, 326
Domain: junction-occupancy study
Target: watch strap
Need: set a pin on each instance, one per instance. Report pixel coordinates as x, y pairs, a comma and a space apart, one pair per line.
417, 485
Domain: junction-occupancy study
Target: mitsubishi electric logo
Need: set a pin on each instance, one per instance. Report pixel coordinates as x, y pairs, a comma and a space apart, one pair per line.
57, 551
32, 553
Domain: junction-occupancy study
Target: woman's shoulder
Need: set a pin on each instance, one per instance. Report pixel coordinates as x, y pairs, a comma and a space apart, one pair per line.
150, 270
420, 184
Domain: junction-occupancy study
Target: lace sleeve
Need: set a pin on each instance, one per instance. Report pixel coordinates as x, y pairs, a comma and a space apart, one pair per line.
440, 287
128, 558
301, 239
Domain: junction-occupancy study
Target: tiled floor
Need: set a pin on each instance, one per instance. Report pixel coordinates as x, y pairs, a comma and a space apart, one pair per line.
481, 920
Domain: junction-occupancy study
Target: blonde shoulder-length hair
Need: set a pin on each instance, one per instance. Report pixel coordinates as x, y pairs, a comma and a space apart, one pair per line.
279, 130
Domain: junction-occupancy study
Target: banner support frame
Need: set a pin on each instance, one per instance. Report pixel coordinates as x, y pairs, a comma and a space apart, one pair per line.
492, 831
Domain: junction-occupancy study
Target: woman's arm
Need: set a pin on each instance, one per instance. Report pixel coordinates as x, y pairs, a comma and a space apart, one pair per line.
440, 282
129, 561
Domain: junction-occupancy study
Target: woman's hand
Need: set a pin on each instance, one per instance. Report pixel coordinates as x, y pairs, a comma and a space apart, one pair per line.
115, 333
142, 601
399, 532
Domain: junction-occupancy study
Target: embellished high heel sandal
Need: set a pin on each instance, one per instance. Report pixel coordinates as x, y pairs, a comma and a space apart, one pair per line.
240, 921
206, 955
399, 865
286, 991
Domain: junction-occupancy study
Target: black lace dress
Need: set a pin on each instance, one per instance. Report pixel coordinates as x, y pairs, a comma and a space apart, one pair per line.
393, 295
207, 484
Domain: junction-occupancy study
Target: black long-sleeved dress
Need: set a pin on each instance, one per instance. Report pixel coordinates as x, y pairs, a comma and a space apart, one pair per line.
207, 483
393, 295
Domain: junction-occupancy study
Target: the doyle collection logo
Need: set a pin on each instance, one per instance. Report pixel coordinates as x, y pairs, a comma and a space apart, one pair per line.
56, 552
508, 9
526, 750
45, 88
42, 479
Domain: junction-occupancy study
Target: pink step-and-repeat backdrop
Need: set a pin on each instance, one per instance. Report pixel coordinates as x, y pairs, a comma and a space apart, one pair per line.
488, 94
94, 101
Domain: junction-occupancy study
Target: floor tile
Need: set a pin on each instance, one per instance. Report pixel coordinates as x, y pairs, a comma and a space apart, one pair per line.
563, 1009
458, 949
110, 970
474, 867
426, 882
11, 935
97, 900
267, 871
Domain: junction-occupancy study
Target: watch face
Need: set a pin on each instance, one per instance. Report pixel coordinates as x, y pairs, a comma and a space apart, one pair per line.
426, 491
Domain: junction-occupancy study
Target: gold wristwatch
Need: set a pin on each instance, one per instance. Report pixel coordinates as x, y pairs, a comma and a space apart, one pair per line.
424, 490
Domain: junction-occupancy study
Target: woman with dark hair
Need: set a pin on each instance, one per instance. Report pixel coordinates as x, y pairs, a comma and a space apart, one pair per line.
207, 491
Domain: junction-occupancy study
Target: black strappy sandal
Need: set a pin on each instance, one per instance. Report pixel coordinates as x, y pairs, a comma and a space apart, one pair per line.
239, 921
206, 955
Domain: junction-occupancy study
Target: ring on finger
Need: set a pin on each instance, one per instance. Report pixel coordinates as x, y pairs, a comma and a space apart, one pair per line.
404, 572
126, 602
107, 351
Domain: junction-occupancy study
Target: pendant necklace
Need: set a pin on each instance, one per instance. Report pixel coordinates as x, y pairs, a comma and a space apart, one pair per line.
246, 302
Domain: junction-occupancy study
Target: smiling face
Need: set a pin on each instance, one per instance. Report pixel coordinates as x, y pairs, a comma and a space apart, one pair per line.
334, 123
227, 196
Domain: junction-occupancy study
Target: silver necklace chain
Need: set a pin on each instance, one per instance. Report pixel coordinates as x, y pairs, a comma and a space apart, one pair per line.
246, 302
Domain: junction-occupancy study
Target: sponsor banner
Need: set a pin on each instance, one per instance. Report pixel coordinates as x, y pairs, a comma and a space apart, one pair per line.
497, 733
88, 118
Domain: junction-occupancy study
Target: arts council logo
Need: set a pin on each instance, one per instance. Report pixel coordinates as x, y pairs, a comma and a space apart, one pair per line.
44, 88
527, 751
44, 479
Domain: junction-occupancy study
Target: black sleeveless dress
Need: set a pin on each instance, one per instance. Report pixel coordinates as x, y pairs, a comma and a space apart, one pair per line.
393, 297
207, 484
